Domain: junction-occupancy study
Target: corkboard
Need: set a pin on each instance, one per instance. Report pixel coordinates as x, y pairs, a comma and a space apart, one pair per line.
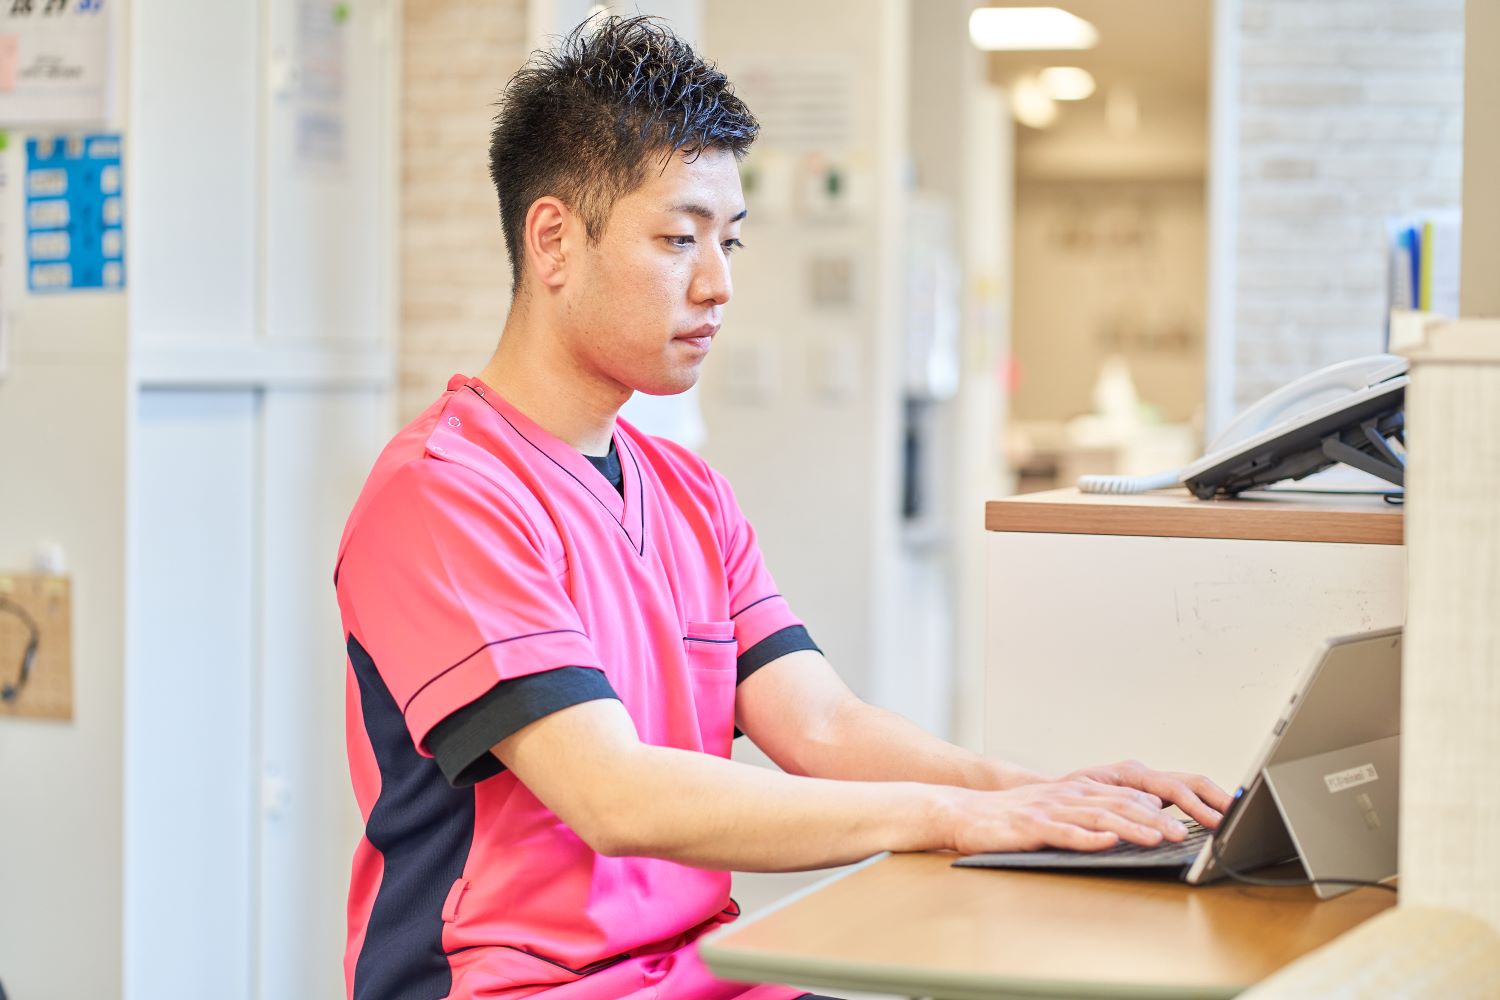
48, 694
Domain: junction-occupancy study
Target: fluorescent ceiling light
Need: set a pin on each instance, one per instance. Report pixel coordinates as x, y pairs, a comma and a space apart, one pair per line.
1031, 105
1017, 29
1066, 83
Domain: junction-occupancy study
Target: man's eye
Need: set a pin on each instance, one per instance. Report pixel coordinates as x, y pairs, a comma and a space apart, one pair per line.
730, 246
681, 241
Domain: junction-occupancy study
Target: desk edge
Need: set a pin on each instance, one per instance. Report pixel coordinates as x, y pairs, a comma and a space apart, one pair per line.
1215, 520
758, 967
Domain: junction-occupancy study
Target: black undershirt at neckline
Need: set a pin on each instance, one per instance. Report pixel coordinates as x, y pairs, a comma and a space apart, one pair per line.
609, 467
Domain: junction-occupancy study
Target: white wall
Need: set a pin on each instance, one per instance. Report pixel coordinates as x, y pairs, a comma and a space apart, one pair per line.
62, 445
1348, 112
61, 406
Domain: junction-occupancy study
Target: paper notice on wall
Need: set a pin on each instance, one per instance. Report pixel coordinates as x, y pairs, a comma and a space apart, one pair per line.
803, 105
5, 266
75, 227
321, 117
54, 61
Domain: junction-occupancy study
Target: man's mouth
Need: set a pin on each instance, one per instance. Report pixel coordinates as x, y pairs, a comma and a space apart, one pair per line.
701, 337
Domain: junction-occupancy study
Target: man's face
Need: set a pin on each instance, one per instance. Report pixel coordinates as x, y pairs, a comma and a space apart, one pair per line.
644, 303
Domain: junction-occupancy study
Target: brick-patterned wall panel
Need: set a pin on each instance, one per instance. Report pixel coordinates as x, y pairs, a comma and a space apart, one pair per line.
1351, 111
455, 279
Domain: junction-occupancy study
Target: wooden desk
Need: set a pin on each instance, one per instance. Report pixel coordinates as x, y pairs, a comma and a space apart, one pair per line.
1167, 628
1287, 517
910, 924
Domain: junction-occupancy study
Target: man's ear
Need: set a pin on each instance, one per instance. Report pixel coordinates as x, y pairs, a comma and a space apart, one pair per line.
547, 223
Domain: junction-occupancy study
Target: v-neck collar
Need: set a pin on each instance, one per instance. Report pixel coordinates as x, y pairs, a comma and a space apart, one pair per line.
625, 507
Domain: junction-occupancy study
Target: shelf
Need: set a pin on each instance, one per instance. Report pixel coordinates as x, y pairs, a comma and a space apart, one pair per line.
1301, 517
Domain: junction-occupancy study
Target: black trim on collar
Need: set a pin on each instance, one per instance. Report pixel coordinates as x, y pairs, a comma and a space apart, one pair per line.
641, 548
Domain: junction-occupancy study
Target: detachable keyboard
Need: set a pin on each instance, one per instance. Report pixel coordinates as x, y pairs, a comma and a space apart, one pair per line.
1123, 855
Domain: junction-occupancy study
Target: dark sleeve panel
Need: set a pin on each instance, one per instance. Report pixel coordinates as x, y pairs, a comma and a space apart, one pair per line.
461, 743
772, 647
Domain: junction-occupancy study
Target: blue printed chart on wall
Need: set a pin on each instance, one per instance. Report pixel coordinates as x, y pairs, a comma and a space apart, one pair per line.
75, 226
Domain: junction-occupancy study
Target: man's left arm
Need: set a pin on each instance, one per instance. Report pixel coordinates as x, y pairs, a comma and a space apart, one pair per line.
805, 718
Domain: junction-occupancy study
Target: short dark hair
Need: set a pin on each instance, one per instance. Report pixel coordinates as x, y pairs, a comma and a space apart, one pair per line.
582, 121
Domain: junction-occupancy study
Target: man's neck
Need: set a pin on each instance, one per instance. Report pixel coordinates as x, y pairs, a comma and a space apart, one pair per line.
533, 373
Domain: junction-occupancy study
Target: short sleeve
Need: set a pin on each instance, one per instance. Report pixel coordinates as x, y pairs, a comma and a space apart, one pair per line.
461, 743
451, 589
755, 605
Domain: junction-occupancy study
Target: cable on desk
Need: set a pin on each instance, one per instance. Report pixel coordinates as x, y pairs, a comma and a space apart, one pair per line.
1129, 484
1239, 876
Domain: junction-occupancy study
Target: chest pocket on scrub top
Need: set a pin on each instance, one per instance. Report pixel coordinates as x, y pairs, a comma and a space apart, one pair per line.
711, 652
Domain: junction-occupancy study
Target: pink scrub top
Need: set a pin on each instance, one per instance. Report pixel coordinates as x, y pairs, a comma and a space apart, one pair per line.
485, 555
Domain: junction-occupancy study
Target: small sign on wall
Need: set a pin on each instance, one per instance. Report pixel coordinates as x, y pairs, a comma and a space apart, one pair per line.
54, 60
75, 226
36, 646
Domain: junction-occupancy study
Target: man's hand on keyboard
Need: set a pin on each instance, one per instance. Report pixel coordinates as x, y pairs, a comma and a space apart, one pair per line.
1081, 815
1192, 793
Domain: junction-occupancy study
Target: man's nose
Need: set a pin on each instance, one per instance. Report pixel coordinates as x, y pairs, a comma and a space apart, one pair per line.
712, 282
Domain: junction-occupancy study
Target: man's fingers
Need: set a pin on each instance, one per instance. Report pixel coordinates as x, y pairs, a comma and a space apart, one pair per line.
1135, 828
1073, 837
1158, 788
1205, 801
1194, 794
1120, 792
1177, 791
1209, 792
1143, 808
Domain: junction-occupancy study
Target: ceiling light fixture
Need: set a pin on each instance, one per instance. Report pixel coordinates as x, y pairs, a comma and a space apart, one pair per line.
1031, 104
1066, 83
1030, 29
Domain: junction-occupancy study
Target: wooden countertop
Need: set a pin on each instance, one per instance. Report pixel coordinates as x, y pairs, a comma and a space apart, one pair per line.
913, 925
1294, 517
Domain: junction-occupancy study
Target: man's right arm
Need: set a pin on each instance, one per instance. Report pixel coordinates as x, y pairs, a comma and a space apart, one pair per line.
625, 797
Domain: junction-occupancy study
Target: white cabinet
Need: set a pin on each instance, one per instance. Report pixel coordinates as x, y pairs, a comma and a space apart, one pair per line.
1167, 629
262, 325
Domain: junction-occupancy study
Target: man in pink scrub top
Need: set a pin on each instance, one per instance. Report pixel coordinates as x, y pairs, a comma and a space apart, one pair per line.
555, 622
